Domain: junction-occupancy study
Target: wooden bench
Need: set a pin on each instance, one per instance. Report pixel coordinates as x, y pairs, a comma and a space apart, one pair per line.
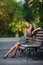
36, 45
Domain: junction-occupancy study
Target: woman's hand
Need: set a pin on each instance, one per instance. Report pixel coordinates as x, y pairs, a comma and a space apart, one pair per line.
28, 38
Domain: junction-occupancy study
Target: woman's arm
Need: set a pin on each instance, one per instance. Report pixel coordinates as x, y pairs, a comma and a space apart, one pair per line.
25, 36
36, 30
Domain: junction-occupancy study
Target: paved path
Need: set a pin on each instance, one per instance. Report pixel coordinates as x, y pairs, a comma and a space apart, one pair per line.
4, 46
7, 43
17, 60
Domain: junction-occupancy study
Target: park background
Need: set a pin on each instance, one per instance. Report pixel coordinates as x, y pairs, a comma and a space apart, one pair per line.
15, 15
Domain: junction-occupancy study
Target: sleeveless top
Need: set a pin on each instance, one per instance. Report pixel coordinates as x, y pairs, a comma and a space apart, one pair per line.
28, 41
29, 35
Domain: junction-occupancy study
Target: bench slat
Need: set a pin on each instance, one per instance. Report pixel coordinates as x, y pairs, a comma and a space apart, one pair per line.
38, 37
37, 41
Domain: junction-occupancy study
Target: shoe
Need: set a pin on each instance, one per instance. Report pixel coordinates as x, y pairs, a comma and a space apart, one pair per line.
5, 57
13, 56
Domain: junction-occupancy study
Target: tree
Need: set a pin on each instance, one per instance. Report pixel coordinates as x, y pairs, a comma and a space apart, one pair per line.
28, 16
33, 11
9, 9
11, 18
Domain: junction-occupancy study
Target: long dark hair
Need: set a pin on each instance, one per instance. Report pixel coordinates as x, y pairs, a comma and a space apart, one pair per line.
33, 26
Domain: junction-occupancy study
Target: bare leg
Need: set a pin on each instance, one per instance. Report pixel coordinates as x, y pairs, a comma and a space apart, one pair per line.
17, 46
14, 52
13, 48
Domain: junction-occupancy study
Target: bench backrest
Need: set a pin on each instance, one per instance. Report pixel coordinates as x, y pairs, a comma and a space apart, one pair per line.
39, 37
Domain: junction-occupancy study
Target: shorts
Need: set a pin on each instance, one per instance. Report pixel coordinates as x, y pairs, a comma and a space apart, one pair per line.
24, 41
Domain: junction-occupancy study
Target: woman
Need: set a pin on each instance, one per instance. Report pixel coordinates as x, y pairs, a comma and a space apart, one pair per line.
27, 36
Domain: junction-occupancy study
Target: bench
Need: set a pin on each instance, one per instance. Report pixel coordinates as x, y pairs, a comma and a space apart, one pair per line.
37, 44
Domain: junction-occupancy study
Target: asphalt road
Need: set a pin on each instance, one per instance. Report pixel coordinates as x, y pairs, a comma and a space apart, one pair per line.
17, 60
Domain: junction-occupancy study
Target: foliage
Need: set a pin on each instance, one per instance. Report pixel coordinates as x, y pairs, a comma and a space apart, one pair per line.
18, 26
33, 10
11, 18
14, 16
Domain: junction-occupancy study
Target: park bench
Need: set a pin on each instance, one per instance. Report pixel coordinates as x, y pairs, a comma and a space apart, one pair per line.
37, 44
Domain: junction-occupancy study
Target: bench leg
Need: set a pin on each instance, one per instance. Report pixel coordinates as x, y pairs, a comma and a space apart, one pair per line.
35, 54
28, 53
22, 51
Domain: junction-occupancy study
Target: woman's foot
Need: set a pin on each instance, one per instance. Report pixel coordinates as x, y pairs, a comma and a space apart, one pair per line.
13, 56
5, 56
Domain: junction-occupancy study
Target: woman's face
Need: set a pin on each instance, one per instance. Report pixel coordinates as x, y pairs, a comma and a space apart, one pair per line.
31, 25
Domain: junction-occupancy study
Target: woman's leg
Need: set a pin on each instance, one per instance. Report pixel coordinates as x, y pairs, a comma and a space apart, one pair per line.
14, 52
13, 48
